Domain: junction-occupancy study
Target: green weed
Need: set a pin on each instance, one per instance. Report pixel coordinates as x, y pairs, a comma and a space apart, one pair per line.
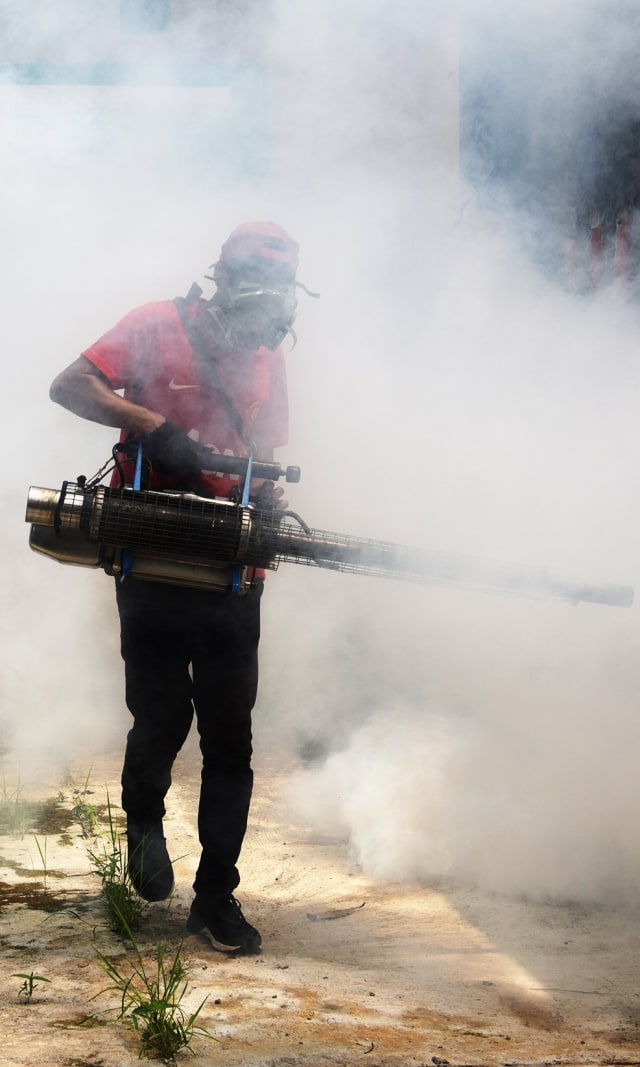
124, 907
85, 813
151, 1000
29, 984
42, 849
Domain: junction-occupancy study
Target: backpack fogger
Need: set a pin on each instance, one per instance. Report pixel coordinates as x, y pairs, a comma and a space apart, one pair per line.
187, 539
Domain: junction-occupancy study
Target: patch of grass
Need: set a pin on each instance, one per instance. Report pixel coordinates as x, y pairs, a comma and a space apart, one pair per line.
151, 998
16, 813
85, 812
19, 814
109, 861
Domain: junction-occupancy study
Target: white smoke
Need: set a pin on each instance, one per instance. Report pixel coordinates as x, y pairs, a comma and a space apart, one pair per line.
476, 406
445, 392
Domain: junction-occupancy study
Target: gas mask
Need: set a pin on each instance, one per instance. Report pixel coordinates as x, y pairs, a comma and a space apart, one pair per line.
258, 313
256, 298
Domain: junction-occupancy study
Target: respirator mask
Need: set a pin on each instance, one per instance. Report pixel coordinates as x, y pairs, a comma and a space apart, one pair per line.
257, 311
256, 299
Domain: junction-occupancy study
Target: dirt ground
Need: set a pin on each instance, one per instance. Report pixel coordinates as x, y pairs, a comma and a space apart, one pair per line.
352, 971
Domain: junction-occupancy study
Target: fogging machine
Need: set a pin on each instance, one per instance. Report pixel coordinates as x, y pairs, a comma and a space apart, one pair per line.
187, 539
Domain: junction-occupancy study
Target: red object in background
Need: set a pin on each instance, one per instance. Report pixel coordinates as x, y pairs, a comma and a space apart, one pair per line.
596, 241
621, 267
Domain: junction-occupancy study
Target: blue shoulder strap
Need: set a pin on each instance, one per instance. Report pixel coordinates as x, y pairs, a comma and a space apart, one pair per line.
137, 482
237, 569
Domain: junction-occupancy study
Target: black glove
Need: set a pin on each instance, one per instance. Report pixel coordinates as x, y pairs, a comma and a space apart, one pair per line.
264, 498
269, 503
172, 450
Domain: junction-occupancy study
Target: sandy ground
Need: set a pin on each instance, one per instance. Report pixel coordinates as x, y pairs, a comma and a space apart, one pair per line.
352, 972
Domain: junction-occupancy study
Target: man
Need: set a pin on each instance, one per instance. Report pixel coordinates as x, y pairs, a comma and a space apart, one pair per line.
180, 379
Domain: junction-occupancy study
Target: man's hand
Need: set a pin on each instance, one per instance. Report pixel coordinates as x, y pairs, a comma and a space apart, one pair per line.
279, 499
172, 450
270, 497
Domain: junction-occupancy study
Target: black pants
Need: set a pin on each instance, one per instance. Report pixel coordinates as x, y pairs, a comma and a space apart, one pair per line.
187, 649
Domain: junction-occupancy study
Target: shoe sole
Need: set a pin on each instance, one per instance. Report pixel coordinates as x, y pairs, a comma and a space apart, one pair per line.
247, 949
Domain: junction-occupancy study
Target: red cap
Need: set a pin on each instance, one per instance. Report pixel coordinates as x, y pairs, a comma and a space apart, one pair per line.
263, 239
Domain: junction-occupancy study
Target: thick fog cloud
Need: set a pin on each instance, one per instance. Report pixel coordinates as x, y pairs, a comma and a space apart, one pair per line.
448, 390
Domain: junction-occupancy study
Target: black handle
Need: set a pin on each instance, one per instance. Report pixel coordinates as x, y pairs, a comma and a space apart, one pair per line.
260, 469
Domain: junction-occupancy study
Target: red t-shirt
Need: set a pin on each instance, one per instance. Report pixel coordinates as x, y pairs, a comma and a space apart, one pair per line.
148, 355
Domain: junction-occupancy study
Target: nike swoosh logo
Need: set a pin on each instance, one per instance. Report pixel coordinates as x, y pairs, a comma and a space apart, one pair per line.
174, 385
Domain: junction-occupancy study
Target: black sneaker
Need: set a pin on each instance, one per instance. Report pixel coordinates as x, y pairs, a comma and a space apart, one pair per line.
221, 920
148, 861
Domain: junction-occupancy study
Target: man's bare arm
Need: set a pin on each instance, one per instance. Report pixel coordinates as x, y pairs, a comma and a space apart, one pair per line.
82, 389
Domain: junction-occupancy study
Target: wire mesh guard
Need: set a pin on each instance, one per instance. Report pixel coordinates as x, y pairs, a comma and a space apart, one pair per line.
176, 525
